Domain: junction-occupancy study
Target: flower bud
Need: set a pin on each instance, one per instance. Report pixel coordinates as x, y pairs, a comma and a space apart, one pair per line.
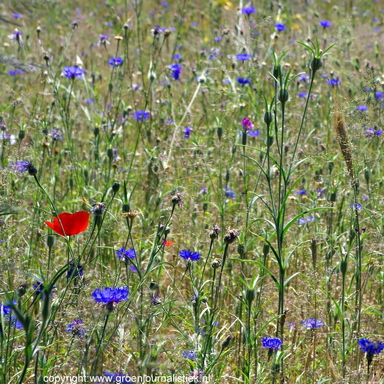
283, 95
315, 64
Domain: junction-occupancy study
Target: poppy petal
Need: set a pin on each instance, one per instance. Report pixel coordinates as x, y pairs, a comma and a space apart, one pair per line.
168, 243
70, 224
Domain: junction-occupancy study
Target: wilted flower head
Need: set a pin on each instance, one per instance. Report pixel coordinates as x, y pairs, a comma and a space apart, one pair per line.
189, 255
215, 232
109, 296
231, 236
312, 323
73, 72
272, 343
76, 327
177, 198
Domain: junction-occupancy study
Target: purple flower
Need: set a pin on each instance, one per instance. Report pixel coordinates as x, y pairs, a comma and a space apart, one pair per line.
176, 70
16, 16
23, 166
379, 95
115, 62
56, 135
187, 132
16, 35
16, 72
302, 94
40, 290
356, 206
126, 254
272, 343
243, 80
243, 56
304, 77
73, 72
14, 322
253, 133
117, 377
76, 327
141, 115
371, 347
362, 108
98, 208
333, 81
103, 39
88, 101
188, 255
133, 268
248, 10
301, 192
305, 220
109, 296
6, 309
325, 23
72, 272
191, 355
370, 132
312, 323
177, 56
229, 193
280, 27
246, 124
378, 132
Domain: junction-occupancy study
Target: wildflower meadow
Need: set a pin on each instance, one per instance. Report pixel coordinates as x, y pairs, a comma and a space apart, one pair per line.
191, 191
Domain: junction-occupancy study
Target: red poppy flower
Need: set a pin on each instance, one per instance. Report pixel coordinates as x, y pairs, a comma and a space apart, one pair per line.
71, 223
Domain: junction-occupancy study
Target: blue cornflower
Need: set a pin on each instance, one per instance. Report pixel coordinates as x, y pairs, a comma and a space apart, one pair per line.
56, 135
272, 343
325, 23
379, 95
304, 77
73, 72
6, 309
16, 16
20, 165
14, 322
378, 132
72, 272
177, 56
88, 101
103, 39
76, 327
302, 94
280, 27
187, 132
108, 296
141, 115
117, 377
125, 254
356, 206
16, 72
362, 108
39, 290
333, 81
371, 347
243, 80
370, 132
243, 56
253, 133
305, 220
301, 192
312, 323
115, 61
191, 355
248, 10
176, 70
98, 208
188, 255
230, 193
